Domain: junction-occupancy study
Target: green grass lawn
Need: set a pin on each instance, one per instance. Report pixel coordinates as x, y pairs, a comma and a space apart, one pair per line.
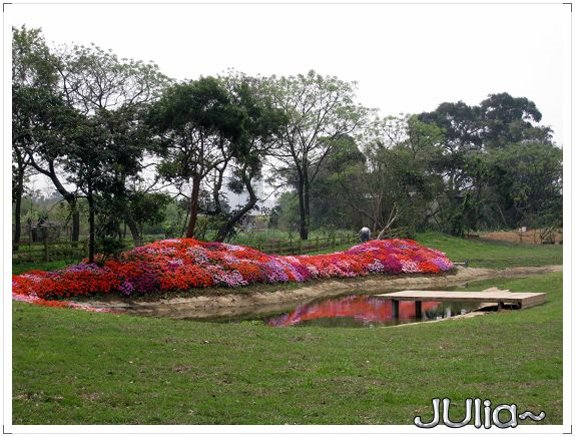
51, 265
74, 367
493, 254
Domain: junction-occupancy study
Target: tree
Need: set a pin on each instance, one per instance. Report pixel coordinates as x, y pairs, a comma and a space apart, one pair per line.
33, 82
471, 135
41, 121
112, 93
103, 152
510, 120
102, 96
526, 180
399, 184
333, 202
461, 126
197, 125
260, 129
18, 177
320, 110
135, 208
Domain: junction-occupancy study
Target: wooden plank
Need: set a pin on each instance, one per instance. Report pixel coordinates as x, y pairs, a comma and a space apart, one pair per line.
523, 299
533, 301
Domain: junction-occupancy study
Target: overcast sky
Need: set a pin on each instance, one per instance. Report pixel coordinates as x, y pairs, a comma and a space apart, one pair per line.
404, 58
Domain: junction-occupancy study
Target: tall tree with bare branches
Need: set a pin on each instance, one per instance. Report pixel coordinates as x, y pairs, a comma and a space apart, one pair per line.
321, 109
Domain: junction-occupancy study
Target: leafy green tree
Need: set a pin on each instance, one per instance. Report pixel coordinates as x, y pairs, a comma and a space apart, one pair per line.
175, 220
104, 151
471, 135
147, 209
461, 127
112, 94
259, 137
97, 132
527, 182
285, 214
198, 126
399, 186
510, 120
321, 110
336, 190
137, 209
33, 83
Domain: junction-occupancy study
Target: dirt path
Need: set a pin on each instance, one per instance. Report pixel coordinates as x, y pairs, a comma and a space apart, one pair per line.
530, 237
238, 304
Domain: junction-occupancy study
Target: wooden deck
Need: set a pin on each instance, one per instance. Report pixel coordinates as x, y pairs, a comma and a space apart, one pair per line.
490, 295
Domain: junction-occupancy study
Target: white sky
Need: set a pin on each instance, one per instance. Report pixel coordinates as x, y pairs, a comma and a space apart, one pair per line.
406, 58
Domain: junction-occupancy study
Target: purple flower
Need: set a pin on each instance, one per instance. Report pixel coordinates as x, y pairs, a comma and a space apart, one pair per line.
175, 264
126, 288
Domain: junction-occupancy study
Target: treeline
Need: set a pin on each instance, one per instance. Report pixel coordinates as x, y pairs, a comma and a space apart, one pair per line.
457, 169
119, 135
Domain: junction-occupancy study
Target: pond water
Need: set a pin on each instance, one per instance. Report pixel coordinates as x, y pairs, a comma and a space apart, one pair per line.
365, 310
357, 310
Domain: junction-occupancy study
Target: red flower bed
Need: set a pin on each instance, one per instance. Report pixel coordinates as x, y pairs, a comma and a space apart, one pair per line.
181, 264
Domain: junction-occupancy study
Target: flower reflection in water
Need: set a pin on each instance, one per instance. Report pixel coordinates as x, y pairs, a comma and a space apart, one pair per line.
363, 309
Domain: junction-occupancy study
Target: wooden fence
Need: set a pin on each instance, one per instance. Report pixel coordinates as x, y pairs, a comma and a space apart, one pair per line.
29, 252
68, 251
59, 251
50, 251
297, 247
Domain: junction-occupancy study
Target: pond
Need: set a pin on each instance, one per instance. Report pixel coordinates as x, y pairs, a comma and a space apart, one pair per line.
359, 310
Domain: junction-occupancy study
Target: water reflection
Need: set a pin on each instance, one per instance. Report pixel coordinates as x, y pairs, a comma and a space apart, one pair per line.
362, 310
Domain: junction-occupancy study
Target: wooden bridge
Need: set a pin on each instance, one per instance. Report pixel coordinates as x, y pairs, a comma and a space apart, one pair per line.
490, 295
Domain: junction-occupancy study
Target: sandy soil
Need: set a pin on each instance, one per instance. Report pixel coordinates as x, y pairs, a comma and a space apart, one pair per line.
532, 236
237, 304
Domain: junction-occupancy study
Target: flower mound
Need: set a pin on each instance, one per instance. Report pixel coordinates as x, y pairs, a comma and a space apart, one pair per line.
182, 264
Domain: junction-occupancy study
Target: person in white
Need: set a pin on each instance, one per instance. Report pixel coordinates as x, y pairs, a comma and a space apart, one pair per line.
364, 234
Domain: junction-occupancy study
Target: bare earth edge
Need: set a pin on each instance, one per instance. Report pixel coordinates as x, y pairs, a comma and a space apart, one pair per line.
237, 304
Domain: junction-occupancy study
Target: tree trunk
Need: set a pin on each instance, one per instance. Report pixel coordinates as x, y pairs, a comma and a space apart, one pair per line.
218, 182
302, 219
193, 208
68, 196
225, 230
91, 222
17, 210
185, 222
305, 231
75, 220
136, 235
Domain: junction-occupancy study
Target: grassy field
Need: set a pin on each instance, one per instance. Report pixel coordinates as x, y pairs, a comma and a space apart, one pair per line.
74, 367
52, 265
493, 254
